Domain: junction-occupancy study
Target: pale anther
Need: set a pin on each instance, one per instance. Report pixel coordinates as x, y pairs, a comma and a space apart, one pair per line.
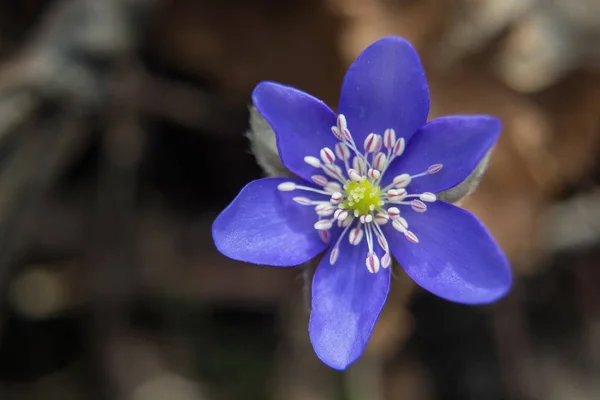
396, 194
336, 132
402, 180
342, 151
365, 219
346, 222
334, 255
434, 169
286, 186
386, 260
411, 237
340, 214
327, 155
325, 236
389, 138
393, 212
381, 218
373, 173
353, 175
372, 263
303, 200
399, 147
382, 242
380, 161
341, 122
355, 236
333, 187
323, 224
372, 143
325, 211
398, 226
312, 161
359, 165
428, 197
418, 206
336, 197
319, 180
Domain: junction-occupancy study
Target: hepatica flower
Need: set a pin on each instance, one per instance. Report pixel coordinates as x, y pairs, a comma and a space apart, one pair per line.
365, 193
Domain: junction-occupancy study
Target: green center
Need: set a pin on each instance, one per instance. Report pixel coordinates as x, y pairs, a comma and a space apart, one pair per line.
363, 197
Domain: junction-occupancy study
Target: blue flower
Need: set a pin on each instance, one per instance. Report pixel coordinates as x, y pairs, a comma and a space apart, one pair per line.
366, 192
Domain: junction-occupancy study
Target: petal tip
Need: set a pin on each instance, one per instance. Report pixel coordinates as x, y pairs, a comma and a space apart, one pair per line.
394, 41
271, 234
259, 90
329, 356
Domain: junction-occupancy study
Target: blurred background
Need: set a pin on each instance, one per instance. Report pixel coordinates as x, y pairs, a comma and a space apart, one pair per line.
122, 135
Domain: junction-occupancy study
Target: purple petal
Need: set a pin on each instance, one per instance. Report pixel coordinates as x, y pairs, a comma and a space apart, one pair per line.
456, 258
457, 142
346, 302
302, 124
385, 88
263, 225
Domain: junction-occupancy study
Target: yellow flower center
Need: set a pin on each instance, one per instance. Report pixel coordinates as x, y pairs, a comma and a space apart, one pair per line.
363, 197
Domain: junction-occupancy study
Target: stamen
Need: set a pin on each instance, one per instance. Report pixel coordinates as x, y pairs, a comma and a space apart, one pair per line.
386, 260
434, 169
303, 200
402, 180
335, 252
336, 198
411, 237
334, 171
428, 197
342, 151
320, 180
381, 238
312, 161
323, 224
333, 187
342, 127
365, 219
286, 186
373, 143
369, 237
372, 263
418, 206
333, 256
341, 122
359, 165
346, 222
340, 214
381, 218
325, 210
380, 161
374, 174
393, 212
403, 222
355, 236
327, 155
354, 176
389, 138
396, 195
399, 147
325, 236
336, 132
306, 188
398, 225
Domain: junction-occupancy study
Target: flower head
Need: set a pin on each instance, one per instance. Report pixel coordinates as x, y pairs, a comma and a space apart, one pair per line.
366, 193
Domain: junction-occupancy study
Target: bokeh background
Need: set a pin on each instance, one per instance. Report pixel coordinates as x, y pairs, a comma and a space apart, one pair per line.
122, 135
